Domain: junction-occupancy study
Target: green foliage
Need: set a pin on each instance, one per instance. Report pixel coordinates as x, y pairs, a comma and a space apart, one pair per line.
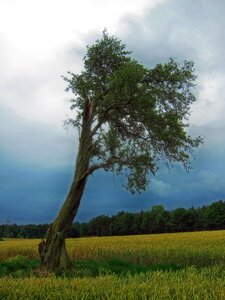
100, 226
138, 116
214, 215
23, 231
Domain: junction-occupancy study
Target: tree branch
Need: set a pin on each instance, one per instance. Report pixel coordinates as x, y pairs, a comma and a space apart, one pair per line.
106, 164
101, 120
99, 166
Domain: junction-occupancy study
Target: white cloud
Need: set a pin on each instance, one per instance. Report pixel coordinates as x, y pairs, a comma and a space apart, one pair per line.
39, 27
34, 39
210, 106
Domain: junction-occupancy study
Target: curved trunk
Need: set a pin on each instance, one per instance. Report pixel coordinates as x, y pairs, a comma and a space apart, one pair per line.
52, 251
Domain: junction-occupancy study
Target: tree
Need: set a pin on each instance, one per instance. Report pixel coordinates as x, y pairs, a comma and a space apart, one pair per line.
158, 216
121, 224
214, 216
179, 220
99, 226
129, 118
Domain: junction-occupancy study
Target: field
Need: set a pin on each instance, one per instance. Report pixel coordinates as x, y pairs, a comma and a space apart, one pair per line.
161, 266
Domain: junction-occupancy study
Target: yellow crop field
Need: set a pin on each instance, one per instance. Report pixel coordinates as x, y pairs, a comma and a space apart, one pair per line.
195, 248
199, 257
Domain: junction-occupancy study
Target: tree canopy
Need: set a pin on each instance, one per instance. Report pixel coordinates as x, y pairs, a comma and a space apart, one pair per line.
138, 115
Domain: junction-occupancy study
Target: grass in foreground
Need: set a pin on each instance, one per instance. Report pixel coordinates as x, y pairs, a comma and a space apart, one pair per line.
190, 283
163, 266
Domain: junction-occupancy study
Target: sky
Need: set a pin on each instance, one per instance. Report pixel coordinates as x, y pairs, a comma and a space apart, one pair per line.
40, 41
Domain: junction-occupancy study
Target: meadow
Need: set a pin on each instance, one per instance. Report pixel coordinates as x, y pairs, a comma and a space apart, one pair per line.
160, 266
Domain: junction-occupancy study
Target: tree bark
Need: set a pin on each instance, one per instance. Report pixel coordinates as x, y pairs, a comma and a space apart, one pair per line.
53, 251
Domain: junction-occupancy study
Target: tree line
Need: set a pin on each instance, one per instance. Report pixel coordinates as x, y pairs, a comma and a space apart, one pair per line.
156, 220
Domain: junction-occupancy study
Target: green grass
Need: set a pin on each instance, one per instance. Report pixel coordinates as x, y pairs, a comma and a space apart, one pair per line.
85, 268
190, 284
20, 266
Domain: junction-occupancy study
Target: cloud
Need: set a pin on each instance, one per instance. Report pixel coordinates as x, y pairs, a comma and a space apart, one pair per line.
39, 43
33, 143
160, 187
187, 30
35, 39
211, 99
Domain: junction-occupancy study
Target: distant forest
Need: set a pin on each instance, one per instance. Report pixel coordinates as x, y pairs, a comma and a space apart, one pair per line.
156, 220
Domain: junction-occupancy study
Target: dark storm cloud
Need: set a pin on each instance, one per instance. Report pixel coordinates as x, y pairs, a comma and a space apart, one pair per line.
175, 188
30, 194
36, 165
33, 188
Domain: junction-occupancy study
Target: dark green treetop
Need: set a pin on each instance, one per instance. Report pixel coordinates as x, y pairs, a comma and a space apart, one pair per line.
139, 115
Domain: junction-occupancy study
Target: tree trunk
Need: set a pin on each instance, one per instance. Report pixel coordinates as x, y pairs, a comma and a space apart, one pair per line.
52, 251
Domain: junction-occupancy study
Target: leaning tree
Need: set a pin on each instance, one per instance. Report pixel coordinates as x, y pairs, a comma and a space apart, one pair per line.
129, 118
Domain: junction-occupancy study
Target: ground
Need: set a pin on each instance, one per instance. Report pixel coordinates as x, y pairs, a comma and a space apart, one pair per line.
161, 266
